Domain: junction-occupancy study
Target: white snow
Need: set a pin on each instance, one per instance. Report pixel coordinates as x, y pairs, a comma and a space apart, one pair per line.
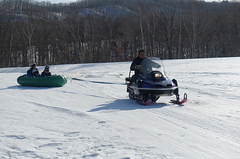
85, 119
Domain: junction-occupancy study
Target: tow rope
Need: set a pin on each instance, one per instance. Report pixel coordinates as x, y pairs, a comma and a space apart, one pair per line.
77, 79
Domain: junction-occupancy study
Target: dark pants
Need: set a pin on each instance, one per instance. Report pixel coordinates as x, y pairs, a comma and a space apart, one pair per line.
133, 79
176, 90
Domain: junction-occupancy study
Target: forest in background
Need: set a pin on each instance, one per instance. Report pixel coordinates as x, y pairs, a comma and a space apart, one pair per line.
90, 31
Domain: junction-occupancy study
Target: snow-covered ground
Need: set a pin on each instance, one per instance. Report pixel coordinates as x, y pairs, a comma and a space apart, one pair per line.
85, 119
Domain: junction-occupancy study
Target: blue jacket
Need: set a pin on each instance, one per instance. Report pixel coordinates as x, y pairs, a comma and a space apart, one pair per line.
30, 73
45, 74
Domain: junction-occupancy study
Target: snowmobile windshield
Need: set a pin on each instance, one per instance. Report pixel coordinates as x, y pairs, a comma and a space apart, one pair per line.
152, 66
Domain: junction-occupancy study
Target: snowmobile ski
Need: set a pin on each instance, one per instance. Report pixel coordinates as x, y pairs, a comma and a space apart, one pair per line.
180, 102
149, 101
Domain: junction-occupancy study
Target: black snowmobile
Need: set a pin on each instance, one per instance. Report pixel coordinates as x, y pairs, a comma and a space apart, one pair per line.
152, 83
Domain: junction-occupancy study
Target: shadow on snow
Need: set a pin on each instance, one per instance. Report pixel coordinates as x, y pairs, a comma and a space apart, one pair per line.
127, 104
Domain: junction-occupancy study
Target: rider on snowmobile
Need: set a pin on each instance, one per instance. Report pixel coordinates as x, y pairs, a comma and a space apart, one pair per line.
136, 64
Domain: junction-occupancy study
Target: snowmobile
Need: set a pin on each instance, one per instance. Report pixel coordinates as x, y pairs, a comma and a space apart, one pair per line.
151, 83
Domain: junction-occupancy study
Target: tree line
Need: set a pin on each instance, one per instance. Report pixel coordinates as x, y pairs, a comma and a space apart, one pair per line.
115, 30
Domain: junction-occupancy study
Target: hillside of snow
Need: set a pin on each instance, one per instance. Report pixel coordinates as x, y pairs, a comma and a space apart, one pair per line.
94, 118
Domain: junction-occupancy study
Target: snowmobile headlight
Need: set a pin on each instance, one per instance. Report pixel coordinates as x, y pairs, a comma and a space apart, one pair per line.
158, 75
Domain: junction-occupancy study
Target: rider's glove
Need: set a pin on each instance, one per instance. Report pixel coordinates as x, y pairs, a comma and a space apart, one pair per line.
138, 67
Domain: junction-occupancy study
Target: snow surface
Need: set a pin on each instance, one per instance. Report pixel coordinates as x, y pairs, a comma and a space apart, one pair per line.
86, 119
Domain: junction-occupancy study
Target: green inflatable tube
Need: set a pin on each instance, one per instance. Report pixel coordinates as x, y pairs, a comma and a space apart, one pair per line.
50, 81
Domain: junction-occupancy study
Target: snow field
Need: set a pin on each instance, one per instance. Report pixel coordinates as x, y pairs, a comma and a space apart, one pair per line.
86, 119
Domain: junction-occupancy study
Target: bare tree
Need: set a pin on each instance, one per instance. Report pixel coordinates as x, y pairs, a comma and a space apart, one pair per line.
167, 28
28, 29
195, 23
